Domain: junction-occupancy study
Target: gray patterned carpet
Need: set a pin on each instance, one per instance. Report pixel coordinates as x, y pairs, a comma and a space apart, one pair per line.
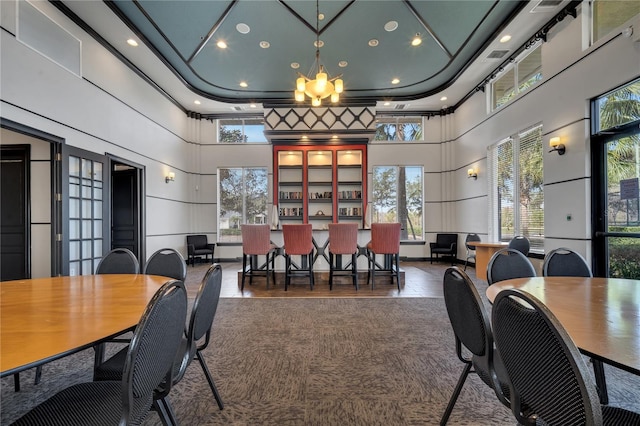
331, 361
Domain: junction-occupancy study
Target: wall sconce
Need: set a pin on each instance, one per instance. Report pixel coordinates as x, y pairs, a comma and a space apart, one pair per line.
471, 173
555, 145
170, 177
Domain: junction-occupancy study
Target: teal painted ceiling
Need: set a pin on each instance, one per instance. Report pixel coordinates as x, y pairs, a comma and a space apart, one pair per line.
184, 34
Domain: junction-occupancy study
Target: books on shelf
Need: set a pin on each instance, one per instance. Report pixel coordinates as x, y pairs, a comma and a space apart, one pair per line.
350, 211
320, 195
290, 211
290, 195
350, 195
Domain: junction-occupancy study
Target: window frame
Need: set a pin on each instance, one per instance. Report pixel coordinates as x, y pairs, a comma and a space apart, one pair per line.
419, 236
245, 196
395, 120
515, 67
495, 212
242, 122
591, 18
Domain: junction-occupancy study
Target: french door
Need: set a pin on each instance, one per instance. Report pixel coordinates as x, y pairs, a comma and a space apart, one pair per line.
615, 180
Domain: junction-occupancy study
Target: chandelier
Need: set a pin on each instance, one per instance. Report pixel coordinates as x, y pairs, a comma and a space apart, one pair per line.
321, 87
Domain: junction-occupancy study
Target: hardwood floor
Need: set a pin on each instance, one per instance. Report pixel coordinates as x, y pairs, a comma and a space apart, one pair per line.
421, 279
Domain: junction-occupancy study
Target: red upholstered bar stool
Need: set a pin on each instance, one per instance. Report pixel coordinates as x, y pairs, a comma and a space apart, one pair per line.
256, 241
385, 240
298, 241
343, 240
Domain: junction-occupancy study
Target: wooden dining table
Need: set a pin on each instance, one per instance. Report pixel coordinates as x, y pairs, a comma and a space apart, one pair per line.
44, 319
601, 315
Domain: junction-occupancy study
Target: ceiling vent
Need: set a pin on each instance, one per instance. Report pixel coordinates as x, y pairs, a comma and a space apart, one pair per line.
497, 54
237, 108
545, 6
400, 106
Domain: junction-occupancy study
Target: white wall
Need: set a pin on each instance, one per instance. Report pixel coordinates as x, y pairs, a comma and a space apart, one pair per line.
572, 77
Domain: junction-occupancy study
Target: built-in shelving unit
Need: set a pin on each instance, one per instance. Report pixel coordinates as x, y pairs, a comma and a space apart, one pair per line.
320, 184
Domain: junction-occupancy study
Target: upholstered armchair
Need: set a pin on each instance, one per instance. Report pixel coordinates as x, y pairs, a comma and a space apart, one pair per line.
198, 246
445, 245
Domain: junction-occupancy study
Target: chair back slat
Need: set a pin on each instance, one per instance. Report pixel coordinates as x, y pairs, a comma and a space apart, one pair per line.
343, 238
385, 238
256, 239
298, 238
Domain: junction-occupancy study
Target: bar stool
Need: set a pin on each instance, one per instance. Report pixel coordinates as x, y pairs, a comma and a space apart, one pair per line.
343, 240
256, 241
298, 241
385, 239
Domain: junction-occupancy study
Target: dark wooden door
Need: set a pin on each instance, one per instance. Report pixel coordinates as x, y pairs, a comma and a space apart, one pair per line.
14, 223
125, 210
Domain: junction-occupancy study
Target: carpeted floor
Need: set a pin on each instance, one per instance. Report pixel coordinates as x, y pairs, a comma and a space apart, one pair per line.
331, 361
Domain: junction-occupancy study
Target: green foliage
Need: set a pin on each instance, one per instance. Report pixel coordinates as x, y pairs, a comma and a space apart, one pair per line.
231, 136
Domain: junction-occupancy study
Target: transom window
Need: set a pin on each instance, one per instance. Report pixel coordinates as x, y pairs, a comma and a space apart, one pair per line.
241, 130
400, 129
518, 78
607, 16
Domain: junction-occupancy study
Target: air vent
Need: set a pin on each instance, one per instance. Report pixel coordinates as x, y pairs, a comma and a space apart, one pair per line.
497, 54
545, 6
237, 108
400, 106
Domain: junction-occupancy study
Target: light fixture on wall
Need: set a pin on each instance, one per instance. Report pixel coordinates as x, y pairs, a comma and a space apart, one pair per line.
321, 86
555, 145
471, 173
170, 177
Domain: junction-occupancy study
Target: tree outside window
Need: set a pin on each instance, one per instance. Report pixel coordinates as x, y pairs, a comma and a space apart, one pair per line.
241, 130
243, 199
516, 189
400, 129
397, 197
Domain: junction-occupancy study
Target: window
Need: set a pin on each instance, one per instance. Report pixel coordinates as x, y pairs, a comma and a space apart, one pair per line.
607, 15
397, 197
619, 107
525, 73
401, 129
241, 130
516, 188
243, 199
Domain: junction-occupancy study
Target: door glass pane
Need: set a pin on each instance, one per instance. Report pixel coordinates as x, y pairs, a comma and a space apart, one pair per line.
74, 250
74, 229
623, 204
74, 269
619, 107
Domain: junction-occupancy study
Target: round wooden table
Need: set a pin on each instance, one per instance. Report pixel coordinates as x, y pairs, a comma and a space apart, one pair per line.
602, 315
44, 319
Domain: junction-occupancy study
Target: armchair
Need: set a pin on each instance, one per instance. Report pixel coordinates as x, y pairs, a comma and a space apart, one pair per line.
197, 246
446, 245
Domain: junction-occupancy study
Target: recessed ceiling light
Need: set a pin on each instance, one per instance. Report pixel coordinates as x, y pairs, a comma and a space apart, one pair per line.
395, 81
320, 16
416, 40
265, 44
132, 42
505, 38
343, 64
243, 28
386, 103
221, 44
295, 65
197, 102
444, 98
373, 42
391, 26
243, 84
252, 105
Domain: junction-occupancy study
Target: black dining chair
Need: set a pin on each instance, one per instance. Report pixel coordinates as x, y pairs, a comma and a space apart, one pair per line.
506, 264
167, 262
564, 262
471, 248
550, 382
520, 243
118, 261
473, 335
148, 364
195, 339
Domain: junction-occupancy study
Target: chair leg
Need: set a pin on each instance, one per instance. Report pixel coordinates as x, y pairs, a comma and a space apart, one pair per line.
331, 271
311, 278
287, 266
244, 270
165, 411
372, 269
212, 385
354, 270
267, 273
397, 259
601, 381
456, 393
16, 382
38, 374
